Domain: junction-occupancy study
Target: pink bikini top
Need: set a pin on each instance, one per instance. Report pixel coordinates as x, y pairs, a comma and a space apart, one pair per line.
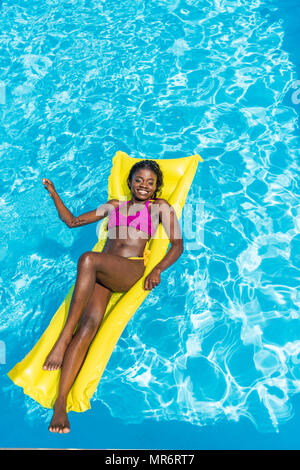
141, 220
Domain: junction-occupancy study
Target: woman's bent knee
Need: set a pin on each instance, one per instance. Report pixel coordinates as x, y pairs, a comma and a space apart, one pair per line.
86, 259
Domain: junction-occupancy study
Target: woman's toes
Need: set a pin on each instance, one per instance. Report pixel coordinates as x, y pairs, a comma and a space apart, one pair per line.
59, 422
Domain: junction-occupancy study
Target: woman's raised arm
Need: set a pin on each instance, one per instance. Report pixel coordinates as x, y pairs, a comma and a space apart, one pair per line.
66, 216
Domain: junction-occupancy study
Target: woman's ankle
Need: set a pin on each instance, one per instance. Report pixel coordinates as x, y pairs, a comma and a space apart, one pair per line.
61, 402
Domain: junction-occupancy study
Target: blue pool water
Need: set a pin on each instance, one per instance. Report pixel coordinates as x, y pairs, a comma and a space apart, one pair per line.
211, 360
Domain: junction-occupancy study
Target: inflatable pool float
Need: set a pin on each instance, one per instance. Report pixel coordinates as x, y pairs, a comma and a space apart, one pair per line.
42, 385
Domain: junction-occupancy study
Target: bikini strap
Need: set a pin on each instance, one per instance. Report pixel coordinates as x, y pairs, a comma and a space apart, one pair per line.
147, 203
122, 204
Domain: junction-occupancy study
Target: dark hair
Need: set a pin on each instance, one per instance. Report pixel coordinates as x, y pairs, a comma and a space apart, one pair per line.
149, 165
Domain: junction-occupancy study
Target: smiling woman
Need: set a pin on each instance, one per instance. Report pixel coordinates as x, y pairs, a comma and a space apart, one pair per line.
116, 269
63, 369
153, 177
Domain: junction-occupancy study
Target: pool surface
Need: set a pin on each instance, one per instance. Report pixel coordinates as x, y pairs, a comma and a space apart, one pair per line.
211, 360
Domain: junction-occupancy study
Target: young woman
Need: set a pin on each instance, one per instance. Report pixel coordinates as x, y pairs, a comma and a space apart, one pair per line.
116, 269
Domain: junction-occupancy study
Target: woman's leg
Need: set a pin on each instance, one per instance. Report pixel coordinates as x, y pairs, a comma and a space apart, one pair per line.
114, 272
84, 286
119, 274
75, 354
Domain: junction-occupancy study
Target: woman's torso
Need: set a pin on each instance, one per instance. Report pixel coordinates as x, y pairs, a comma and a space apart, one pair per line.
130, 226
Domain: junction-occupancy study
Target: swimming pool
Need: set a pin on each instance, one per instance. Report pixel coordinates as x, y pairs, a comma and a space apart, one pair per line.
212, 356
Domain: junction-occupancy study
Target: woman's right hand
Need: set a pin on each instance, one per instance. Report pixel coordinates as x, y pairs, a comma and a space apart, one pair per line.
49, 186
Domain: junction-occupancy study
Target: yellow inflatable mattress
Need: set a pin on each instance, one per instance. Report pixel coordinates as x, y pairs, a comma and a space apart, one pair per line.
42, 385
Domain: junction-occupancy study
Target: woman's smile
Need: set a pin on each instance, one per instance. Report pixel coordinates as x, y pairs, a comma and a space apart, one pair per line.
142, 191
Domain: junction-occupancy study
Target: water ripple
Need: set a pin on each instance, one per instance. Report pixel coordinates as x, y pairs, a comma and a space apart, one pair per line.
219, 338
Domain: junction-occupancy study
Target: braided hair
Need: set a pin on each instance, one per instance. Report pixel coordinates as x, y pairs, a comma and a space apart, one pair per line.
149, 165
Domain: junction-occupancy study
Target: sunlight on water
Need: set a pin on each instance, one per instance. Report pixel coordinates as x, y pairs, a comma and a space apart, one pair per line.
218, 339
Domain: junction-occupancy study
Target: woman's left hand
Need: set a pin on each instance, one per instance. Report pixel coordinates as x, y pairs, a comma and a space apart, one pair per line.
153, 279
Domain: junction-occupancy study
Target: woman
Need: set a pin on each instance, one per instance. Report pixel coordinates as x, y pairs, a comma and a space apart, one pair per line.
116, 269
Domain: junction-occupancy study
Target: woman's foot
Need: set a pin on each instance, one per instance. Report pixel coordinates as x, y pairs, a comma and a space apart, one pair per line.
55, 357
59, 422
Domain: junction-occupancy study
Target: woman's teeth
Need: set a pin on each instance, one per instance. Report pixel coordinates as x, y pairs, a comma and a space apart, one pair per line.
142, 191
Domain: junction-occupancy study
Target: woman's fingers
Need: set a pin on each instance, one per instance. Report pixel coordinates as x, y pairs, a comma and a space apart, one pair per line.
48, 185
150, 284
46, 181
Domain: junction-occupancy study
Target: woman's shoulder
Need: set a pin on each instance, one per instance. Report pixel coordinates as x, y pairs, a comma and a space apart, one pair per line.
161, 202
114, 202
164, 207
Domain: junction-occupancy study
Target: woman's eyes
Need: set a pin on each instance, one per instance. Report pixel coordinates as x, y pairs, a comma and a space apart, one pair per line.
149, 182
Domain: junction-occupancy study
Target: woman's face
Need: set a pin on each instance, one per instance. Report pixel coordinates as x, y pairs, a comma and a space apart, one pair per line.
143, 184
